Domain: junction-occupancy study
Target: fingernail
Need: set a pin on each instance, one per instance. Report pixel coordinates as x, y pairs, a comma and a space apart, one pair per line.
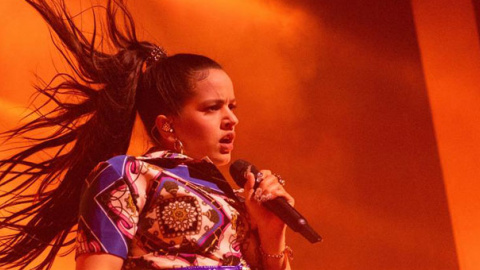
258, 194
265, 198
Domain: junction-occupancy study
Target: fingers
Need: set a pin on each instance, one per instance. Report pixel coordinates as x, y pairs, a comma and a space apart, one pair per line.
269, 188
262, 188
250, 183
269, 182
261, 195
253, 181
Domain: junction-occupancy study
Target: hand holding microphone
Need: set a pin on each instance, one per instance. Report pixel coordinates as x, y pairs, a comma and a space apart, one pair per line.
259, 189
264, 193
278, 205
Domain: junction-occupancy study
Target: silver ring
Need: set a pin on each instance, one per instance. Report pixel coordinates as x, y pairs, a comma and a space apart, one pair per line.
280, 179
259, 178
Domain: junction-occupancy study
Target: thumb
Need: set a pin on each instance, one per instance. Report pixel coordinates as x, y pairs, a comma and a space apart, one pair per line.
249, 184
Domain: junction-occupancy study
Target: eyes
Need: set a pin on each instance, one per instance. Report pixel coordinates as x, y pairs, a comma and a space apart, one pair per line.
218, 106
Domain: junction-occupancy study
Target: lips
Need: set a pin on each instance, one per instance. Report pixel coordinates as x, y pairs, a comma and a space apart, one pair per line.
226, 143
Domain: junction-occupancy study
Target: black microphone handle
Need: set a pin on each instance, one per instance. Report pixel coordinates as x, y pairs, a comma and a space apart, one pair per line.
279, 205
282, 209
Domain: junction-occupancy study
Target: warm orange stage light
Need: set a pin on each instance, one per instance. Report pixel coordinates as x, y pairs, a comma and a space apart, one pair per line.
357, 105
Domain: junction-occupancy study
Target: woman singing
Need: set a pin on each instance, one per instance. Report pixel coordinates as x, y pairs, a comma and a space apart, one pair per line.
170, 208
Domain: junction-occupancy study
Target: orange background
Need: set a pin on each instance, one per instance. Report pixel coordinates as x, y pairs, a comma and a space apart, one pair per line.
367, 108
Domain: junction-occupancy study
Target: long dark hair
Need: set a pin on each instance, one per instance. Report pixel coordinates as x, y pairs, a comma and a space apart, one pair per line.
108, 89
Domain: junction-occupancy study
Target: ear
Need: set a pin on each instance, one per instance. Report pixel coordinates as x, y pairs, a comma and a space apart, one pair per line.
164, 127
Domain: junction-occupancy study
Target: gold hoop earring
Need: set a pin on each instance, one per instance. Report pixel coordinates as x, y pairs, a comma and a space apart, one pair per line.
178, 145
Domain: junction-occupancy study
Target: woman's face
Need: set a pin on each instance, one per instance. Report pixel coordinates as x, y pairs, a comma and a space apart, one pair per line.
206, 124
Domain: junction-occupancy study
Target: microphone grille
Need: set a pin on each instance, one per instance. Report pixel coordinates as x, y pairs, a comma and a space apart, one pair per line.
237, 171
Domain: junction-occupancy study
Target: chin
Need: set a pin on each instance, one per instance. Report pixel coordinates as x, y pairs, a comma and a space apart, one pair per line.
222, 159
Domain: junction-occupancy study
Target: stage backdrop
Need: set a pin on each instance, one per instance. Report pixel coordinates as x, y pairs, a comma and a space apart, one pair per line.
332, 95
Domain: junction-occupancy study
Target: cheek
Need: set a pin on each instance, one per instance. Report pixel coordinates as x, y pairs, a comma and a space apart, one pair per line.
197, 129
197, 132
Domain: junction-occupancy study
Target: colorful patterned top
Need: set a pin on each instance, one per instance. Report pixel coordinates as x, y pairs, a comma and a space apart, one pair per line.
163, 210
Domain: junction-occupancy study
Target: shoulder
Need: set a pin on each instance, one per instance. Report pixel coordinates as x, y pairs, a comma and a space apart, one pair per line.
112, 180
108, 171
119, 173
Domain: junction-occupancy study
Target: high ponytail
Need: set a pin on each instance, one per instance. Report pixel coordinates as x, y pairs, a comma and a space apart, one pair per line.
108, 89
94, 128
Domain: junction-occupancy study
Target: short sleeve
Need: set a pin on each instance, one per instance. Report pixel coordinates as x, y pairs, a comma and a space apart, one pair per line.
109, 210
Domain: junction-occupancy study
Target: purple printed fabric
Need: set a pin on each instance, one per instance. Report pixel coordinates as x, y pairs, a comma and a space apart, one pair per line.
161, 211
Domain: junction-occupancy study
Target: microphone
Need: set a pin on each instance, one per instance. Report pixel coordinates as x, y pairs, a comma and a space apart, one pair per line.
279, 205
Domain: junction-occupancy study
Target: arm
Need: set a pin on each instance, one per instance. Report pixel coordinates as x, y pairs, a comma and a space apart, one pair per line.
108, 216
271, 229
98, 262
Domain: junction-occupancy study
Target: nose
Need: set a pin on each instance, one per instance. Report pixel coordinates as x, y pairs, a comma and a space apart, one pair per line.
230, 120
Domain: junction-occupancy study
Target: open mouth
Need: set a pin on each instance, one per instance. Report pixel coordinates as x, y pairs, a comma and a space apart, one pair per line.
227, 139
226, 143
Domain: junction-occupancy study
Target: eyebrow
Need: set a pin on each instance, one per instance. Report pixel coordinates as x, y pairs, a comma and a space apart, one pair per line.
217, 101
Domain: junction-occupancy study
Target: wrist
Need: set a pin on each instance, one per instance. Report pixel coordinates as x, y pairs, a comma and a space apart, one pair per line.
286, 253
272, 241
277, 261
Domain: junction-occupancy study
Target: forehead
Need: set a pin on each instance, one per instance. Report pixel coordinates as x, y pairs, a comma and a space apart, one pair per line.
215, 85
